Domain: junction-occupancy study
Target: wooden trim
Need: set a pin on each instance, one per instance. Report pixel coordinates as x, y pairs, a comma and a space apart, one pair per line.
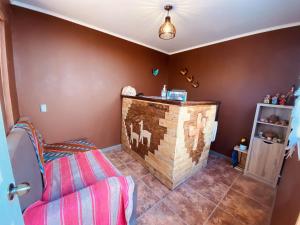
173, 102
9, 117
117, 147
276, 106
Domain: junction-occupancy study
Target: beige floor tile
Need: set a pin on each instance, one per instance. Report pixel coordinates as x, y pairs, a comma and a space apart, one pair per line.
208, 186
245, 209
160, 215
220, 217
190, 206
256, 190
124, 157
156, 186
145, 198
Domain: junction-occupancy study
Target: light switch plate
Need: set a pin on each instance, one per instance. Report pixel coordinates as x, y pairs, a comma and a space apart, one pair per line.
43, 108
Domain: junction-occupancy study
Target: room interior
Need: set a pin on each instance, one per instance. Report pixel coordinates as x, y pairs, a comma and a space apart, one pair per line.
64, 65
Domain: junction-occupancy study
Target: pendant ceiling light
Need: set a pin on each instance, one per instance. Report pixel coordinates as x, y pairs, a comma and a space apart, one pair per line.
167, 30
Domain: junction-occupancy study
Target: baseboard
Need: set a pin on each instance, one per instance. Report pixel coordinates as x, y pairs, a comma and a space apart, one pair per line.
111, 148
219, 154
118, 147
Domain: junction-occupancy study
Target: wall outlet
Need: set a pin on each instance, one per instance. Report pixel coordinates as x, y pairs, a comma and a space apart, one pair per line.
43, 108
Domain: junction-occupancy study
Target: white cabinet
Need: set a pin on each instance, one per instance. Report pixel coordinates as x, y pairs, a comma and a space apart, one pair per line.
265, 155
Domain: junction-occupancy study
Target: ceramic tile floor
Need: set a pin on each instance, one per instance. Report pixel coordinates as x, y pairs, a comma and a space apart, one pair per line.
218, 194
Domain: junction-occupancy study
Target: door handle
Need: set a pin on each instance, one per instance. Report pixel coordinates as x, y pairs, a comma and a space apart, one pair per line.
268, 142
20, 189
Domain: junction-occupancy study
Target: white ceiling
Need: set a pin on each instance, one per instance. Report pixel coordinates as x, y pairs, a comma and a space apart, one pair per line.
198, 22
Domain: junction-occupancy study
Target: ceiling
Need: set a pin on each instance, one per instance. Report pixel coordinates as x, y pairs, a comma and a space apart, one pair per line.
198, 22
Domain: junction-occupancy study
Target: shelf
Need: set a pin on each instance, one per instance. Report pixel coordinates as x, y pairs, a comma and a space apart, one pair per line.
237, 148
272, 124
272, 142
276, 106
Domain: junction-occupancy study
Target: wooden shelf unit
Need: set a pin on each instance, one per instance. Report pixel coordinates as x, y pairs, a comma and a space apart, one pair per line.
272, 124
265, 157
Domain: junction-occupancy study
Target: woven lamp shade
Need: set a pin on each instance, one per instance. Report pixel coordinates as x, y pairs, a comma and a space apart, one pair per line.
167, 30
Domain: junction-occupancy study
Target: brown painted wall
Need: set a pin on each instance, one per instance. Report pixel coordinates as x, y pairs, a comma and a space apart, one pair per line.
239, 73
78, 73
287, 204
56, 61
5, 13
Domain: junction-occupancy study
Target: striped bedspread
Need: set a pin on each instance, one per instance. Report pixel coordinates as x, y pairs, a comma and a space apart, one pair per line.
72, 146
70, 174
81, 188
107, 202
66, 148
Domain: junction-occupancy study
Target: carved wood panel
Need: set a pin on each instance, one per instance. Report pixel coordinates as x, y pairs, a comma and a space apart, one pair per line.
194, 132
142, 126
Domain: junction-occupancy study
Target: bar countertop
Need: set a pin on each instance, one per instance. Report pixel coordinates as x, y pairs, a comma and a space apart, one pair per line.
172, 102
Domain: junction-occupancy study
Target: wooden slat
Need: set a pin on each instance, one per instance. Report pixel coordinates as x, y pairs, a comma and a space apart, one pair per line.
179, 137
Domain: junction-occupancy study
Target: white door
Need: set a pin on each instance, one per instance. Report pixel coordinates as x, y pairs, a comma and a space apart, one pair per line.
9, 209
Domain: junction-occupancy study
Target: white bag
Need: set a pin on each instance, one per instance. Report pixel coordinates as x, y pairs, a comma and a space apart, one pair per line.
128, 90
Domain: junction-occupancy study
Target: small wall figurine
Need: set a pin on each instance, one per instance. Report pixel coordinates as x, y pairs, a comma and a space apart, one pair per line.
284, 122
267, 99
273, 118
275, 99
264, 120
282, 100
155, 71
290, 96
269, 135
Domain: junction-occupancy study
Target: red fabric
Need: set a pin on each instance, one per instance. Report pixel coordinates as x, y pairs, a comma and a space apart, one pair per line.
68, 210
68, 174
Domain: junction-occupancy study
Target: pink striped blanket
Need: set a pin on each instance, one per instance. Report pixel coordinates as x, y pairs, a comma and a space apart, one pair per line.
107, 202
83, 188
70, 174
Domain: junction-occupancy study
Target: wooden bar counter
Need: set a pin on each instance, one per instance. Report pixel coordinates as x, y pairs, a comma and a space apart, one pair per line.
170, 138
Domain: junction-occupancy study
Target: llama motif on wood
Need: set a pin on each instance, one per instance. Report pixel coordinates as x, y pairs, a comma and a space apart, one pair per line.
134, 136
142, 120
144, 134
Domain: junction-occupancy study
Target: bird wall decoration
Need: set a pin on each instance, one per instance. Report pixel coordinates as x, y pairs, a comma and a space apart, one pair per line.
189, 78
195, 84
184, 71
